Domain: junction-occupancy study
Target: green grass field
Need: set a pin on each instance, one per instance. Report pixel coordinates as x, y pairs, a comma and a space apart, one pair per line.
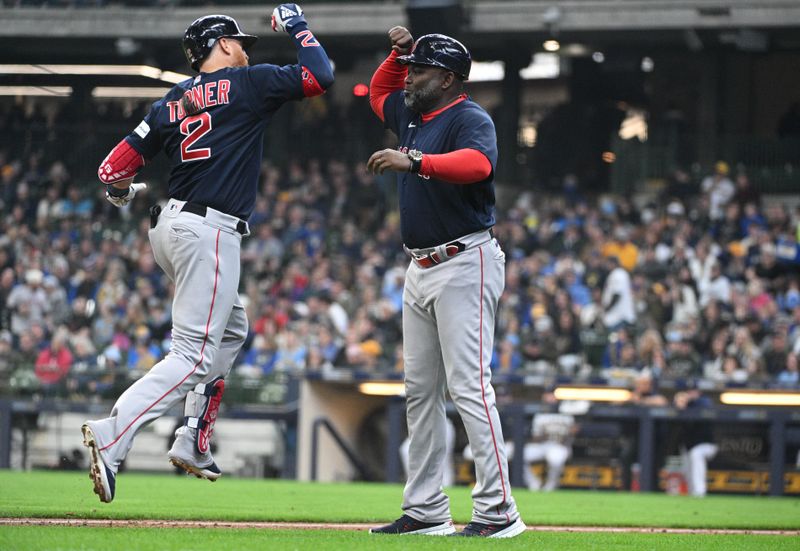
167, 497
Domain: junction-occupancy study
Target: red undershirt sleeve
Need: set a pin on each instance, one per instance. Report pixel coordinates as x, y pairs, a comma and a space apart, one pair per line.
463, 166
388, 78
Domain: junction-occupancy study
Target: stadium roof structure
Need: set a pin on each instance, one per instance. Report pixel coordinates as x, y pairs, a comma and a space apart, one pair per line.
494, 30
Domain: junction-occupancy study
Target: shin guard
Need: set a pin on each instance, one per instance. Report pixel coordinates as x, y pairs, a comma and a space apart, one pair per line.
202, 406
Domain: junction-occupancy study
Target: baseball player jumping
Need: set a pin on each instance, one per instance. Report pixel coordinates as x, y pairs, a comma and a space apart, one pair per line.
211, 127
445, 168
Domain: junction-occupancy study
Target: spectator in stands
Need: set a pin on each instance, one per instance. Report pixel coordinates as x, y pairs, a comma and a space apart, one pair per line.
790, 376
538, 345
54, 362
27, 302
567, 342
644, 391
261, 355
290, 356
143, 354
683, 361
697, 441
717, 287
50, 208
6, 367
685, 307
83, 370
719, 189
701, 264
618, 307
7, 284
775, 350
23, 359
746, 351
622, 248
58, 305
747, 196
732, 370
715, 357
507, 356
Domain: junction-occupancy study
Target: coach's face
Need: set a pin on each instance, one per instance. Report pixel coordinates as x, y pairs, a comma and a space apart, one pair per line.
425, 86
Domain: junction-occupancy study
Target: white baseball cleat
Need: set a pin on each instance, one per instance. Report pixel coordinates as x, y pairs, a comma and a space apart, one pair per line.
184, 456
104, 478
210, 472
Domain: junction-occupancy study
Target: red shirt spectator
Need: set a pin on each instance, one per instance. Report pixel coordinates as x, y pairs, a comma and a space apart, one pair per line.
54, 362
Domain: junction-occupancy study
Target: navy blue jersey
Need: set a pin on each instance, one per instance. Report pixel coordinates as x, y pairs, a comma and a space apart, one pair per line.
433, 212
216, 154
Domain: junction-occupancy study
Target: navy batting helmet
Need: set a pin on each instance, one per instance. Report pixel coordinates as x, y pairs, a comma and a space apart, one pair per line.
203, 33
439, 50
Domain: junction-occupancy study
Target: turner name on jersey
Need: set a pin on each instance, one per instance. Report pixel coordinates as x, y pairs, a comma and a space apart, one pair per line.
201, 96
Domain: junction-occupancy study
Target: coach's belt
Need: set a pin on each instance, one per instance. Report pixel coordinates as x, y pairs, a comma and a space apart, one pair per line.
202, 210
426, 258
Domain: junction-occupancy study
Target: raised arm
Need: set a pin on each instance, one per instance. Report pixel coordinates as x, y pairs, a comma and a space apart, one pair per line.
390, 76
311, 56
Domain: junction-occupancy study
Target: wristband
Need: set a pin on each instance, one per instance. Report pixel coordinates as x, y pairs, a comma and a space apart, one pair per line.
117, 192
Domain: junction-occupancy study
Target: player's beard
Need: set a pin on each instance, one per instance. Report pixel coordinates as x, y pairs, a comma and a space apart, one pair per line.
423, 99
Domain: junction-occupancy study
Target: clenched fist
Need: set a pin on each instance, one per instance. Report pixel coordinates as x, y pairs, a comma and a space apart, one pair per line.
286, 17
402, 41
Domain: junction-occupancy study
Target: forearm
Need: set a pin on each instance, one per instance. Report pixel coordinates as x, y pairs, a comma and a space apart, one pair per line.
464, 166
121, 165
313, 59
388, 78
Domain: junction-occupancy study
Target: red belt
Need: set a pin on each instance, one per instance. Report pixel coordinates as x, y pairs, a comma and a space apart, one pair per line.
433, 259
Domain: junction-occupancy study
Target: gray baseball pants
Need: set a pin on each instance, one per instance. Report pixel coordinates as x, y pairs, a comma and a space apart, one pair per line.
448, 328
209, 325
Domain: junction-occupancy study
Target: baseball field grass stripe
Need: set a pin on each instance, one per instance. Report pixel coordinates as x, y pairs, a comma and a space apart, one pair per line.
59, 494
134, 539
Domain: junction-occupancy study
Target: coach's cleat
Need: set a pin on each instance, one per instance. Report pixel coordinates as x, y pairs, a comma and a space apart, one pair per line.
481, 530
104, 478
407, 525
210, 472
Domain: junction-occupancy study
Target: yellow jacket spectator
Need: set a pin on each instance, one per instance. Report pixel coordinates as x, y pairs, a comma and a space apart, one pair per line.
622, 247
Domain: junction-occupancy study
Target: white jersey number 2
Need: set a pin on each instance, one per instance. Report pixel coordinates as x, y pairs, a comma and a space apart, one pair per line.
194, 128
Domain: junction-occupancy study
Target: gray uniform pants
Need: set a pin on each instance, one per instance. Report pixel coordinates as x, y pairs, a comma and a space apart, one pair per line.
209, 325
448, 329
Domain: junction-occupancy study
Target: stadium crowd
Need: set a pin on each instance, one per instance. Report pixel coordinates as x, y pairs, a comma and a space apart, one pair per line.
697, 282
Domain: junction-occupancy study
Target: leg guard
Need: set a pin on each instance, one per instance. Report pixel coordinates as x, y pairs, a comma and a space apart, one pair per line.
202, 406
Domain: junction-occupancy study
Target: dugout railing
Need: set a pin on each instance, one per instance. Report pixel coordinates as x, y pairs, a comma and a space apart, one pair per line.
782, 428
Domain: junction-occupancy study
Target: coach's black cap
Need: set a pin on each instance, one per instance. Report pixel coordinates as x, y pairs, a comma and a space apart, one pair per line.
439, 50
